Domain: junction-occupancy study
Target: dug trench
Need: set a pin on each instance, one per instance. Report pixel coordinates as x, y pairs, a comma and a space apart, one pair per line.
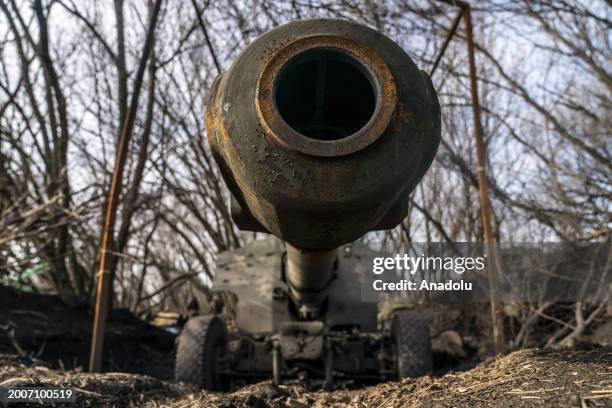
45, 342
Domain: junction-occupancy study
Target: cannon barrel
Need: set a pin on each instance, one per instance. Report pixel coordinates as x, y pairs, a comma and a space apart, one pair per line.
321, 129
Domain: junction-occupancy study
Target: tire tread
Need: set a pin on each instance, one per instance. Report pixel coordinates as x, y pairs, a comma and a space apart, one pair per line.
410, 333
196, 348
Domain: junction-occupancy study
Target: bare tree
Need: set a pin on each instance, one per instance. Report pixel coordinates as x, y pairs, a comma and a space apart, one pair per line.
68, 73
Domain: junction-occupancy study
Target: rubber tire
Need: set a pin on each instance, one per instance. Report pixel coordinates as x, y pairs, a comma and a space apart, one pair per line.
410, 334
195, 353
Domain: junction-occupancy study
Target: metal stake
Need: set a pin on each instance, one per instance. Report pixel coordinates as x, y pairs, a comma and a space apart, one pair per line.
485, 204
104, 279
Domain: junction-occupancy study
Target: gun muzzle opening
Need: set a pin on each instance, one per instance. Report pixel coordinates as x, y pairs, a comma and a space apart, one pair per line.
326, 96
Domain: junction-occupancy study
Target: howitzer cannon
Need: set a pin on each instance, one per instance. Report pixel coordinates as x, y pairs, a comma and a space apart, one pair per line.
321, 129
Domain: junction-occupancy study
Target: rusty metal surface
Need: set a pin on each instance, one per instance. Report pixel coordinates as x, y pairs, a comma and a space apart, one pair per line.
277, 128
319, 194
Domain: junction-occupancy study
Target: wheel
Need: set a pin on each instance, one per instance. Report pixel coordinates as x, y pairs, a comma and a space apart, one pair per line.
410, 336
201, 345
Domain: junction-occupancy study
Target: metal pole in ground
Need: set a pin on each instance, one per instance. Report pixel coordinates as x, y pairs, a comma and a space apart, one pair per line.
104, 274
485, 203
104, 278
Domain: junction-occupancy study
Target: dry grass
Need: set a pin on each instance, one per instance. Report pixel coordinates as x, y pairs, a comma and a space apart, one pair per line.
555, 378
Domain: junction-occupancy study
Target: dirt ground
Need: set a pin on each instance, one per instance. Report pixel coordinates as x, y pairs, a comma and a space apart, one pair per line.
563, 378
45, 342
44, 327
